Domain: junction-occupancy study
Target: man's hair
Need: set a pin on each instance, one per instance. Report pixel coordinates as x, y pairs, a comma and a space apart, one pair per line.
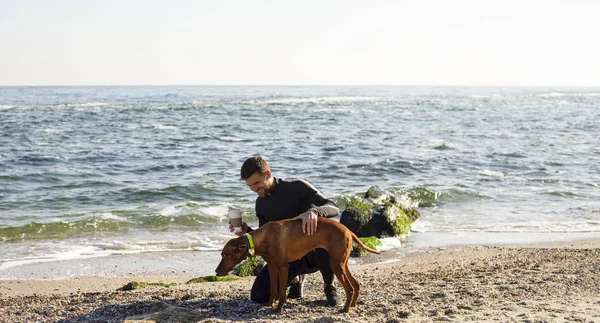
254, 165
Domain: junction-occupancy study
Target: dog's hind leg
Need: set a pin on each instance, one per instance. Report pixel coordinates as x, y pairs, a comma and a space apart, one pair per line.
355, 287
338, 270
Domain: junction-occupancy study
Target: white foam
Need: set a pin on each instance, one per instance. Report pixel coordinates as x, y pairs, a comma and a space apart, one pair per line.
560, 95
163, 127
51, 130
206, 246
491, 173
76, 253
169, 211
88, 104
421, 226
345, 108
541, 226
115, 245
486, 97
333, 99
551, 95
218, 211
390, 243
112, 216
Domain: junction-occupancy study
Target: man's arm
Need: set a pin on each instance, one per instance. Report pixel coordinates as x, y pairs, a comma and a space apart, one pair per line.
328, 210
320, 204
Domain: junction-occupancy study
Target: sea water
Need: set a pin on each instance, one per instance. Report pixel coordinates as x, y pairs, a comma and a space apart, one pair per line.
94, 172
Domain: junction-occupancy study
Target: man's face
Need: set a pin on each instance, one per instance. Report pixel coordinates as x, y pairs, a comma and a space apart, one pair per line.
259, 184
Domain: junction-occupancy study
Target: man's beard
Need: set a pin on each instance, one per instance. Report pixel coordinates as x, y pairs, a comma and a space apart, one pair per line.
266, 191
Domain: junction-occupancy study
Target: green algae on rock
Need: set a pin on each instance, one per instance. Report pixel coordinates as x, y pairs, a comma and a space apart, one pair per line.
371, 242
211, 278
250, 267
379, 213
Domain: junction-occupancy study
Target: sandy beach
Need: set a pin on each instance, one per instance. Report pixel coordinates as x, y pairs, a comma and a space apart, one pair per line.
522, 283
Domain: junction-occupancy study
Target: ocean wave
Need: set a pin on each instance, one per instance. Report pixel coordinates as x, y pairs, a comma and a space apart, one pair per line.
163, 127
420, 196
444, 147
564, 194
509, 227
491, 173
59, 230
41, 159
325, 99
53, 130
88, 104
106, 106
32, 252
183, 217
461, 195
143, 194
75, 252
507, 155
553, 95
231, 139
487, 97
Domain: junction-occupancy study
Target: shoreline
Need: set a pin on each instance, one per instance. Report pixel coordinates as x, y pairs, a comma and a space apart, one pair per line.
552, 282
203, 262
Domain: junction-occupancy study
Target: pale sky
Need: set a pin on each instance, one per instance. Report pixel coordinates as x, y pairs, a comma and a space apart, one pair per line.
254, 42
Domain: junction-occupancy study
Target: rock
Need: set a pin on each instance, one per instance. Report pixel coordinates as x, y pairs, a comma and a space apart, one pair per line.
250, 267
379, 213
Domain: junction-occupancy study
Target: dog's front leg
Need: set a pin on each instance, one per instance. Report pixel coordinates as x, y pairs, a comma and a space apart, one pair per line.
283, 278
273, 278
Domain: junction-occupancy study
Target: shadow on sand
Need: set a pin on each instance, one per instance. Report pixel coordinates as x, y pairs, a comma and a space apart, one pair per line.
204, 310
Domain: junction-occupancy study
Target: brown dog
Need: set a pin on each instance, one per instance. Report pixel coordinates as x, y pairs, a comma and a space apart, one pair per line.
281, 242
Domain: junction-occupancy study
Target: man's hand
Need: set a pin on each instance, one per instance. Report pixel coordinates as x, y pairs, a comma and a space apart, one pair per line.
309, 222
244, 229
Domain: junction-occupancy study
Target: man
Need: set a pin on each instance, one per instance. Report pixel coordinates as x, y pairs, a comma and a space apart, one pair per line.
280, 199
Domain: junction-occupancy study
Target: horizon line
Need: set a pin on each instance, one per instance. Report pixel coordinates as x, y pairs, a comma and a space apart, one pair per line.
288, 85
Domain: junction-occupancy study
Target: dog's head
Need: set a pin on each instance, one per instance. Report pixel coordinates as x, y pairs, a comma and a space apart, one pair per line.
234, 252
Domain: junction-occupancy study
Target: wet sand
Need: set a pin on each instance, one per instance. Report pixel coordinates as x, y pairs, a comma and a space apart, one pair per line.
556, 282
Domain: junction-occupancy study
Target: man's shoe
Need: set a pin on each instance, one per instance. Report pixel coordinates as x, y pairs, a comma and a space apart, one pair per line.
297, 289
332, 296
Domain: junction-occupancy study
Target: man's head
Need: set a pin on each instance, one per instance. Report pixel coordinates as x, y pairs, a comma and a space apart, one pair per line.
257, 175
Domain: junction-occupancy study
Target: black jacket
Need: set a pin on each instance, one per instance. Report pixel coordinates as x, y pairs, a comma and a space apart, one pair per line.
289, 198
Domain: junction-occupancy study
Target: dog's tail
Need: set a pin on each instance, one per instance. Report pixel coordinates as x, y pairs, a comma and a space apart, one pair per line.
362, 245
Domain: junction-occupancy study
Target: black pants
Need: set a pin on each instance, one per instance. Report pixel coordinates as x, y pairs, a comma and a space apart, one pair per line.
316, 260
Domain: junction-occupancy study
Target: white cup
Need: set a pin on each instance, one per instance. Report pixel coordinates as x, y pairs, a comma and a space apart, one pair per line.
235, 218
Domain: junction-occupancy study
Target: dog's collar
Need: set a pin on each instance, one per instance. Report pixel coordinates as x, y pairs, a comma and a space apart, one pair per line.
250, 244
